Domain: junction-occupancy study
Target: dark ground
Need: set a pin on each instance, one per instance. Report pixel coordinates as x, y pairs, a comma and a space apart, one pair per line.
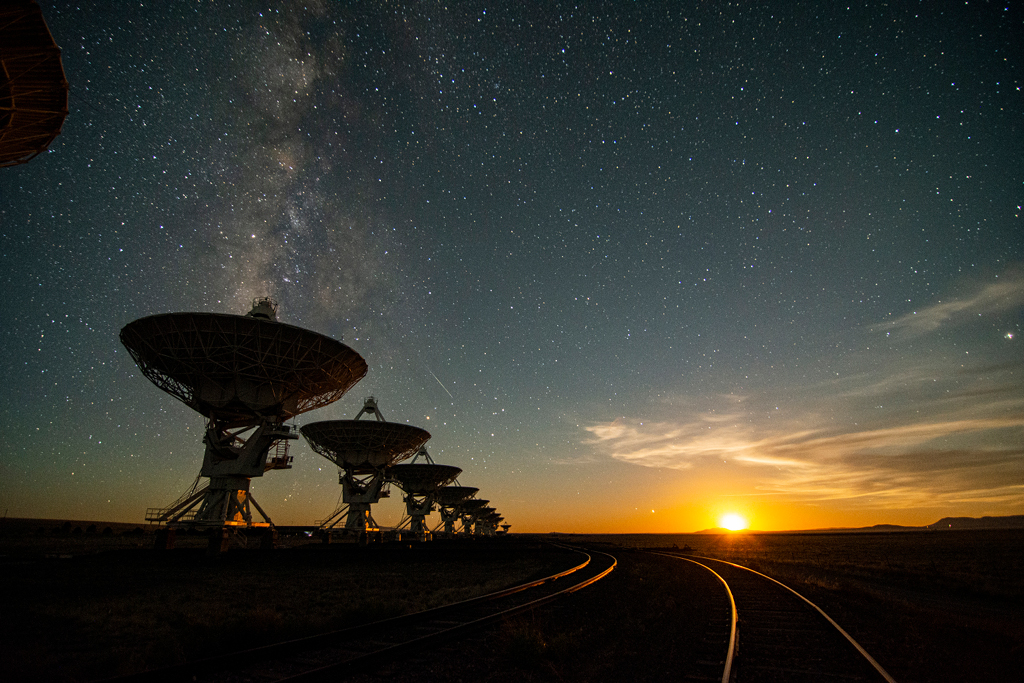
85, 606
645, 622
82, 607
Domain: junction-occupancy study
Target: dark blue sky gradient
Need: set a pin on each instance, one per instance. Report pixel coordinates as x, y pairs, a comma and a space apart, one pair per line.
639, 265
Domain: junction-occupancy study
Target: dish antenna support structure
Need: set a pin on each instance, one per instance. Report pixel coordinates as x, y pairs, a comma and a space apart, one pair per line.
482, 521
490, 524
363, 450
246, 375
469, 511
449, 501
420, 482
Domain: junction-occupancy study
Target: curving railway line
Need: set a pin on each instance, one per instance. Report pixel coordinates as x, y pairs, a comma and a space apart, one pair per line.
339, 654
751, 628
777, 635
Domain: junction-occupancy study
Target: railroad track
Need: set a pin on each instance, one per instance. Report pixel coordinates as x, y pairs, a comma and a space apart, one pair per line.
334, 656
778, 635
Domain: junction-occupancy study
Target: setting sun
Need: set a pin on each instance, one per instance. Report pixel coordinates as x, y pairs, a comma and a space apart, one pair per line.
733, 522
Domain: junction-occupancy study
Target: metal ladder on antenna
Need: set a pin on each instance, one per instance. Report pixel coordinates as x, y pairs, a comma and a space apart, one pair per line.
160, 515
279, 458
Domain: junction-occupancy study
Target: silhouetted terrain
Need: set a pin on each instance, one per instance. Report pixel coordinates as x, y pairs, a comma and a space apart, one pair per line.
1008, 522
929, 606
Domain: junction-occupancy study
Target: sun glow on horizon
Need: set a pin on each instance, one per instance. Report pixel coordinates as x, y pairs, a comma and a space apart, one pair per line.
732, 522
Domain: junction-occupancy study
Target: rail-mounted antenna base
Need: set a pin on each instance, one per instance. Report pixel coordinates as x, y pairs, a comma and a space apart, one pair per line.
223, 501
420, 537
165, 537
449, 517
341, 535
359, 520
221, 538
233, 457
227, 503
268, 538
418, 507
371, 537
359, 493
220, 541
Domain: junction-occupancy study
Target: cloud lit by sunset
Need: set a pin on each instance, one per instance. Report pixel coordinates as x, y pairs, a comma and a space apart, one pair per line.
887, 426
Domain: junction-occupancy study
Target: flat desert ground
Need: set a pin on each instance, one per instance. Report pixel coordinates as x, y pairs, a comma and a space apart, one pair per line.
86, 600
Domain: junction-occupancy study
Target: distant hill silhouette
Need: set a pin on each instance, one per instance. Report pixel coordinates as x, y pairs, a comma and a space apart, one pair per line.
946, 523
1007, 522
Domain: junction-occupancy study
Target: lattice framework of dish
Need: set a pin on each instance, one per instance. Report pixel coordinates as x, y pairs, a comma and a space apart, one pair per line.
229, 364
364, 445
33, 88
424, 478
453, 495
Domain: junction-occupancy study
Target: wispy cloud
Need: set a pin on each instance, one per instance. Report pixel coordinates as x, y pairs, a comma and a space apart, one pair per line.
903, 426
1005, 295
903, 466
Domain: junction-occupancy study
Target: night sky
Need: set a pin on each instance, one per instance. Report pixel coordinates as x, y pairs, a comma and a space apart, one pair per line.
634, 266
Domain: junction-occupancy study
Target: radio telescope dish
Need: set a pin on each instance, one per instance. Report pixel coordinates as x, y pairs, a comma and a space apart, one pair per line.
453, 495
33, 88
420, 481
247, 375
468, 511
488, 525
424, 478
449, 499
239, 368
477, 516
362, 450
364, 446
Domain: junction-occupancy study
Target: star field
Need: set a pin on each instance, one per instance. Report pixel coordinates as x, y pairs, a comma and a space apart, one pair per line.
616, 258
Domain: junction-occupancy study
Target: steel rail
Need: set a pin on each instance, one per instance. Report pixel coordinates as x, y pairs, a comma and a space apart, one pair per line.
188, 671
593, 579
871, 660
731, 651
329, 672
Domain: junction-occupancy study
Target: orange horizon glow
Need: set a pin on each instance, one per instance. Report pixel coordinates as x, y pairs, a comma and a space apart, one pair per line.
733, 522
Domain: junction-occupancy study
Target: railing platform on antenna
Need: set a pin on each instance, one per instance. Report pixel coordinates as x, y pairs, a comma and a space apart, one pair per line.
279, 458
160, 515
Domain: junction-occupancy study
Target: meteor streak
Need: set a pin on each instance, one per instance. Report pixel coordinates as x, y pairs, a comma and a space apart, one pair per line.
442, 386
